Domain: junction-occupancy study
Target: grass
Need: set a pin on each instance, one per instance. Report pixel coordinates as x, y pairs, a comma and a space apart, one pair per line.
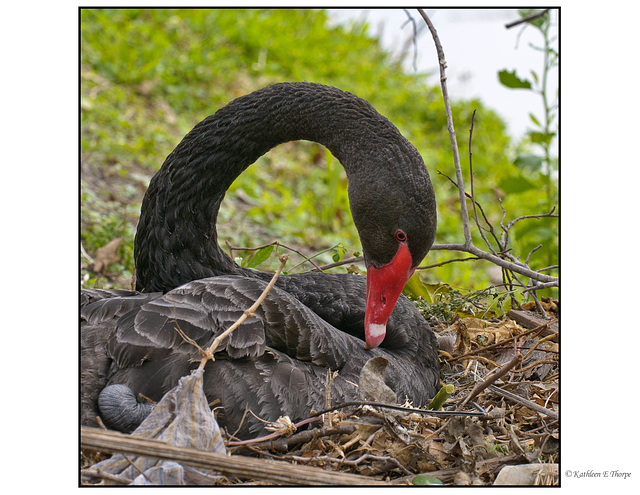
149, 75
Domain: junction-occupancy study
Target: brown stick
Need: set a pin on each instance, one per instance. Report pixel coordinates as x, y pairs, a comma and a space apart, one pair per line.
492, 378
208, 353
452, 133
468, 245
525, 402
526, 19
242, 467
284, 444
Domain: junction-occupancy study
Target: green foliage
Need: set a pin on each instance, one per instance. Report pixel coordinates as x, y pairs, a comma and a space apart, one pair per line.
259, 256
100, 225
425, 479
510, 80
536, 158
443, 302
149, 75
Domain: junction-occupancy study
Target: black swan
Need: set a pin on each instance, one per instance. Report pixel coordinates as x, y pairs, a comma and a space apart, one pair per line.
275, 363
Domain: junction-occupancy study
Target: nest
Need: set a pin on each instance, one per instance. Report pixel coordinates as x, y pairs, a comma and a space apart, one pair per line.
500, 368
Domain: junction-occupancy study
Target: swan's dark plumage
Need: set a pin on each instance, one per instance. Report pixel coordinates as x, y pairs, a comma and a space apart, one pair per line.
275, 363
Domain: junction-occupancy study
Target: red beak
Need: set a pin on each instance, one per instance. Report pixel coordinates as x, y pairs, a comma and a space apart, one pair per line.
384, 286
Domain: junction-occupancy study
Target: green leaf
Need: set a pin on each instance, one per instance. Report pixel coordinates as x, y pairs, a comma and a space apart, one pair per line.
261, 256
425, 479
510, 80
338, 252
516, 185
528, 161
535, 76
541, 137
534, 120
416, 288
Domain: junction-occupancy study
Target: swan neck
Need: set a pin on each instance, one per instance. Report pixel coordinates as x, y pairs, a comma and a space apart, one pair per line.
176, 241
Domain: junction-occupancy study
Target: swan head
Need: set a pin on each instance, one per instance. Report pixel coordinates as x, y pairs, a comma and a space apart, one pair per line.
395, 215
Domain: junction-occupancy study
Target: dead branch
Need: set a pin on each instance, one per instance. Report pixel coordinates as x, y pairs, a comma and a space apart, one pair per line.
346, 261
276, 244
473, 197
350, 462
284, 444
512, 264
525, 402
242, 467
492, 378
208, 353
526, 19
475, 258
98, 474
452, 133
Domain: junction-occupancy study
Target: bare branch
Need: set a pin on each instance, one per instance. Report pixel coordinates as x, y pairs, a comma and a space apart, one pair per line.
452, 133
208, 353
346, 261
446, 263
242, 467
276, 244
541, 286
523, 217
473, 198
526, 19
510, 268
493, 377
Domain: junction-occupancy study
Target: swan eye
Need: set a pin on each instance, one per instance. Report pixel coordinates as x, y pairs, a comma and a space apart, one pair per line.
401, 236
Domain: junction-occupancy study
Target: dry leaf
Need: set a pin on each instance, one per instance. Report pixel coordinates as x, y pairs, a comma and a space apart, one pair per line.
107, 255
371, 384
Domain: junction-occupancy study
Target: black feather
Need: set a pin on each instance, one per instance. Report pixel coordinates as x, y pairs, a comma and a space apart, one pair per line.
276, 362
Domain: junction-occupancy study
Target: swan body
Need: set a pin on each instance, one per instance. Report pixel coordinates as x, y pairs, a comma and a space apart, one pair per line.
275, 363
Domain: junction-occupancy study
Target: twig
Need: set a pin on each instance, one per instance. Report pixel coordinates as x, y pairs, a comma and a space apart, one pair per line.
414, 38
505, 235
518, 268
317, 416
284, 444
473, 197
492, 378
276, 244
343, 461
452, 133
526, 262
86, 255
140, 471
502, 343
275, 434
208, 353
541, 286
429, 412
474, 258
526, 19
96, 473
475, 205
238, 466
533, 365
468, 245
525, 402
346, 261
538, 342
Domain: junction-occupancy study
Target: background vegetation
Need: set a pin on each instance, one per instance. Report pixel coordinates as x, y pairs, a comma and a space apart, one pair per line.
148, 76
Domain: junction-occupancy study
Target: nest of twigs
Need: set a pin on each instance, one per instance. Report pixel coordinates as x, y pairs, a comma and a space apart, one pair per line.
507, 370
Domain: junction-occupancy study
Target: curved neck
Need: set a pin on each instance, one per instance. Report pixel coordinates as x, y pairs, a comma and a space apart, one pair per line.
176, 240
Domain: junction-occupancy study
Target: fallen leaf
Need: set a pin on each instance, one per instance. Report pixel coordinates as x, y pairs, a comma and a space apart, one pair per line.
107, 255
371, 385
